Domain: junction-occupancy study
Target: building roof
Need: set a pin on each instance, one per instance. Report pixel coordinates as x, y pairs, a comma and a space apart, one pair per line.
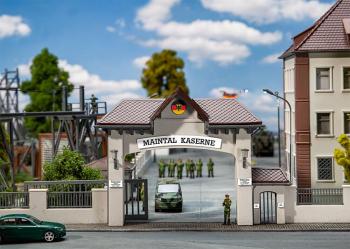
327, 34
141, 112
271, 176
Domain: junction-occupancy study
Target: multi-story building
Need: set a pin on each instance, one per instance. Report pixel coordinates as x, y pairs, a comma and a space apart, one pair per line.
317, 85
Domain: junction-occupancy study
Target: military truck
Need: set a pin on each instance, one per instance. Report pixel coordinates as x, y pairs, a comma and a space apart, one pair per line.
263, 144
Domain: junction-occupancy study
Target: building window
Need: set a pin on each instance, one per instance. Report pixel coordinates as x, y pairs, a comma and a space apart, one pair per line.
346, 77
347, 122
325, 168
323, 81
323, 123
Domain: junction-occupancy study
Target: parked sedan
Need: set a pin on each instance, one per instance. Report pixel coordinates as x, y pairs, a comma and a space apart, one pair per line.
168, 195
23, 227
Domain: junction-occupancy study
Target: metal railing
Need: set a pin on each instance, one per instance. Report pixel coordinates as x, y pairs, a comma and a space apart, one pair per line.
319, 196
14, 200
65, 186
81, 199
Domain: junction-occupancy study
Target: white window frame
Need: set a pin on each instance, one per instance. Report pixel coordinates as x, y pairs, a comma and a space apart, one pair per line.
316, 163
343, 121
331, 125
331, 89
342, 80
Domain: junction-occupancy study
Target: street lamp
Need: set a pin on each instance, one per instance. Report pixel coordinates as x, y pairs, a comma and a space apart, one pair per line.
244, 153
290, 128
115, 159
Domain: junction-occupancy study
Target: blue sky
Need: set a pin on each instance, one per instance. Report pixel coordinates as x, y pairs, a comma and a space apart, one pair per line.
226, 44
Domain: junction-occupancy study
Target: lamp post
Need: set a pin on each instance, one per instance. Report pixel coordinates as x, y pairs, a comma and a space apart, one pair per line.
290, 128
244, 154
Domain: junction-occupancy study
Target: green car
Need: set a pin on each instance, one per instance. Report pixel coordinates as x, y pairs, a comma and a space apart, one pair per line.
168, 195
23, 227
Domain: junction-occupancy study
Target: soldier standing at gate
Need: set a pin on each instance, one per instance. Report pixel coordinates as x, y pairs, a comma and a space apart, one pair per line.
188, 167
199, 167
192, 168
171, 168
210, 166
227, 210
161, 168
180, 166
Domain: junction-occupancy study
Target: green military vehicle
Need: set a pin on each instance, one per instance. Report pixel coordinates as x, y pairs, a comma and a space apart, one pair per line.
263, 144
168, 195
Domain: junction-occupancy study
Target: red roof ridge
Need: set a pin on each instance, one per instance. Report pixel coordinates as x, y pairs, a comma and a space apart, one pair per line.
318, 24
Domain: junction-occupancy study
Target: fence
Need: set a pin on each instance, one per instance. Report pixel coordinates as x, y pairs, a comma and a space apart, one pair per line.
82, 199
322, 196
14, 200
65, 186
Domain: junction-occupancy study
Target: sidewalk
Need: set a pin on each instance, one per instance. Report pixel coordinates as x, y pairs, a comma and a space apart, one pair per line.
208, 227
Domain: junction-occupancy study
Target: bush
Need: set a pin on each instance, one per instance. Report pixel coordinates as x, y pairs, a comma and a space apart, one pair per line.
342, 156
70, 165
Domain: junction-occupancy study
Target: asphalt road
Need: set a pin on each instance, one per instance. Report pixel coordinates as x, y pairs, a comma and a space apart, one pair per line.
189, 240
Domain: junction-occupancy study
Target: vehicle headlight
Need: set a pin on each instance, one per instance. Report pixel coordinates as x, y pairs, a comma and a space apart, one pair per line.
60, 228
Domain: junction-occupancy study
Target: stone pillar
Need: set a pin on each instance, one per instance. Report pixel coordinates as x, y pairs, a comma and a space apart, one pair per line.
116, 195
346, 195
38, 202
99, 204
244, 192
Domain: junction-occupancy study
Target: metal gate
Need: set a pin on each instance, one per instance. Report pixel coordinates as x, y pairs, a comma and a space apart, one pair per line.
268, 207
136, 199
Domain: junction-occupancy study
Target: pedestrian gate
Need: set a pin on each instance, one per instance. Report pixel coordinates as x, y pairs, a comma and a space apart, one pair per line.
136, 199
268, 207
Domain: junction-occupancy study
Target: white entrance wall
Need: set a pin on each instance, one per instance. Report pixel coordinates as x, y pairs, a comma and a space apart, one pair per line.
168, 125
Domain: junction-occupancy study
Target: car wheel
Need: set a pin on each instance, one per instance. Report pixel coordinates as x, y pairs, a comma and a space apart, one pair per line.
49, 236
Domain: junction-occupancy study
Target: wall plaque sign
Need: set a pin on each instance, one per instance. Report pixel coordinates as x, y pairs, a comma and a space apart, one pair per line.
244, 181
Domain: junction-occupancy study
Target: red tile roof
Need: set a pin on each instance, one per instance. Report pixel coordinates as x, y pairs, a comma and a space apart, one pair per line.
263, 175
327, 34
140, 112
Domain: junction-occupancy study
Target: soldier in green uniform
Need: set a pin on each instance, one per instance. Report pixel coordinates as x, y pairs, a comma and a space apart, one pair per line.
161, 165
192, 169
171, 168
180, 166
227, 210
188, 167
199, 167
94, 107
210, 166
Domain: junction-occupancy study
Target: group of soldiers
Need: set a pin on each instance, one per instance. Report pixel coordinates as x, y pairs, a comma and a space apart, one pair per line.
190, 167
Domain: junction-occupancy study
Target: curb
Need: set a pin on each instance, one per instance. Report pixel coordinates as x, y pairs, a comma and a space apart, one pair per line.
235, 228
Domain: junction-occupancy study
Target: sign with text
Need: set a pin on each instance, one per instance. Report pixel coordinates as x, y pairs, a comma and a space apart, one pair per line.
115, 184
244, 181
179, 140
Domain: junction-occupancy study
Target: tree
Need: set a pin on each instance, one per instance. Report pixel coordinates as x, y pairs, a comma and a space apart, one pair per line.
69, 165
163, 74
342, 156
44, 90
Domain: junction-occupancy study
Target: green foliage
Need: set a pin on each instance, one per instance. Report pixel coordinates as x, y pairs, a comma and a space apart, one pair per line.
3, 154
342, 156
22, 177
70, 166
164, 74
47, 81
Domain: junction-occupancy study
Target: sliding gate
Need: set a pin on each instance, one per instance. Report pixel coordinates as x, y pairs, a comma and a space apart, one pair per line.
136, 199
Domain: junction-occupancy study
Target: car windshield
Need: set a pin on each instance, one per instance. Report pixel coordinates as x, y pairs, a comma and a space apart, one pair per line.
35, 220
168, 188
